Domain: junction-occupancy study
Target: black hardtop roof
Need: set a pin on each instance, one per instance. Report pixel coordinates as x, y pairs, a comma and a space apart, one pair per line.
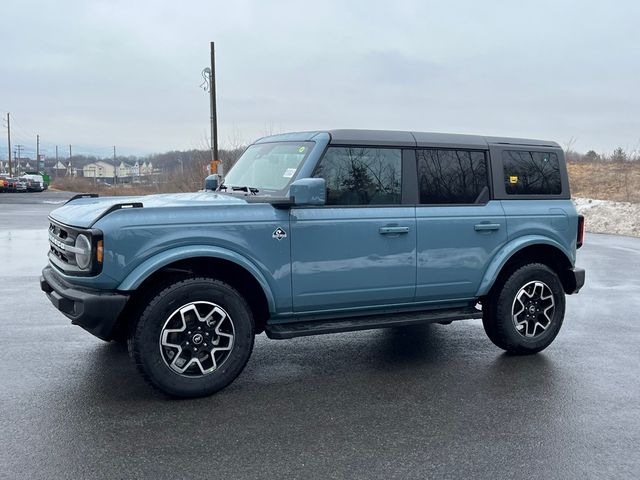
401, 138
424, 139
407, 138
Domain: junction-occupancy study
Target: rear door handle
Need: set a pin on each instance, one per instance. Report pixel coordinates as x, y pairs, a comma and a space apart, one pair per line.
393, 230
486, 227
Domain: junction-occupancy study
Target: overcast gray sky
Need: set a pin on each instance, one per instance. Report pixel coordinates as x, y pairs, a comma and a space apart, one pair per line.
126, 73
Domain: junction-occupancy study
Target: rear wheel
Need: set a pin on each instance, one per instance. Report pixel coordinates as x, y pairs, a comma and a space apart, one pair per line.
194, 338
524, 313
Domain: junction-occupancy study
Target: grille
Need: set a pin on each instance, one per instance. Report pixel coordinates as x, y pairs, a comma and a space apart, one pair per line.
61, 237
62, 249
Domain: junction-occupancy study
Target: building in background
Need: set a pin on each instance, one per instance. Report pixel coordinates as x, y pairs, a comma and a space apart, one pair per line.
124, 170
99, 169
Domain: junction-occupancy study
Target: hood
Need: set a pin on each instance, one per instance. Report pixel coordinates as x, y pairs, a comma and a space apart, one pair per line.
84, 212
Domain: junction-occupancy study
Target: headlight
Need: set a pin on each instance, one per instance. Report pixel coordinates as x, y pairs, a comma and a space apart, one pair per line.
83, 259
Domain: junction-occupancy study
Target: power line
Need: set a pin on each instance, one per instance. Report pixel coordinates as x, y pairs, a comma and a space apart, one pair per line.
20, 129
21, 133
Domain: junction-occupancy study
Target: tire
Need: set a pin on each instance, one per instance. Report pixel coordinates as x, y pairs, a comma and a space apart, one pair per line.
171, 344
525, 311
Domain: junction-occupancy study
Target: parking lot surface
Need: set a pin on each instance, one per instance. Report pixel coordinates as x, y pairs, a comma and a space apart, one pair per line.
429, 402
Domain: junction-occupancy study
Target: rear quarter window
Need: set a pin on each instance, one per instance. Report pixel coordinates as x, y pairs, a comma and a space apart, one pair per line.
531, 173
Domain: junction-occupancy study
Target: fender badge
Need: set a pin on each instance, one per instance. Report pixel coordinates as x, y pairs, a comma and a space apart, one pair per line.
279, 233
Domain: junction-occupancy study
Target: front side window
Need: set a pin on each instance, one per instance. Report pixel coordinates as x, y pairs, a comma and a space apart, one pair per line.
267, 167
362, 175
451, 176
531, 173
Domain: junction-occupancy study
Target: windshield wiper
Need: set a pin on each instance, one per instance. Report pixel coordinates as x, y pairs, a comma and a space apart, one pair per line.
251, 190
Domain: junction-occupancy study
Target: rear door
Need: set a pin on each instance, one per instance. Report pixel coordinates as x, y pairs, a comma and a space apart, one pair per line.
359, 250
460, 228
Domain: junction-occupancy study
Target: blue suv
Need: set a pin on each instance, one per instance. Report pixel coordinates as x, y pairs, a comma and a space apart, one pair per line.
323, 232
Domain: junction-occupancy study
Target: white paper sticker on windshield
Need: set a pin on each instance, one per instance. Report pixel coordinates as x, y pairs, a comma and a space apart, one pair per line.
289, 172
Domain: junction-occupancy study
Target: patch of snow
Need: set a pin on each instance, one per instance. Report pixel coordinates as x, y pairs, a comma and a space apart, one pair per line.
604, 216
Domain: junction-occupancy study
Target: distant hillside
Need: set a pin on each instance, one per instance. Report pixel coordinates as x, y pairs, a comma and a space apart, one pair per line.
605, 180
168, 162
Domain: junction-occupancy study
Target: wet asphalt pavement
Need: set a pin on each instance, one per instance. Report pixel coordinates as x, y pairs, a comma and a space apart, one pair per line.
431, 402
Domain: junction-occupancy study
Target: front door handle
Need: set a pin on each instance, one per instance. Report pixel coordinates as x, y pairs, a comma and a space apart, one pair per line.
393, 230
486, 227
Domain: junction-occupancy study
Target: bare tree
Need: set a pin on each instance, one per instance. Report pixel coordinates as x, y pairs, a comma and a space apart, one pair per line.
568, 145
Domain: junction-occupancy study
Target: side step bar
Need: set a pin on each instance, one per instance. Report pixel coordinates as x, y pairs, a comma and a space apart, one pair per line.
337, 325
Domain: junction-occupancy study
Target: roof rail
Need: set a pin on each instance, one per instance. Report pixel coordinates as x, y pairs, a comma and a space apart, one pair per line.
82, 195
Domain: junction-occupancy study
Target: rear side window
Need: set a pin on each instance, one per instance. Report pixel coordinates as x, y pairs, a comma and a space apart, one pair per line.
452, 176
362, 176
531, 173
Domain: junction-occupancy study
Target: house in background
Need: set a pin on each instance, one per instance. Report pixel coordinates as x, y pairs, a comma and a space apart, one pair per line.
124, 170
99, 169
59, 170
72, 171
102, 170
134, 172
146, 168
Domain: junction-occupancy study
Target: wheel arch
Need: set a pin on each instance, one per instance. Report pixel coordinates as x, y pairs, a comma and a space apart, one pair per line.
532, 249
224, 265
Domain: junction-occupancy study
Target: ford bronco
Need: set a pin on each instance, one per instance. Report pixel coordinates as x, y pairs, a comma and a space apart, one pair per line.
323, 232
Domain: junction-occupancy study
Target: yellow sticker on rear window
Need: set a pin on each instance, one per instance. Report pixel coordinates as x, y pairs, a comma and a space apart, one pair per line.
513, 179
301, 149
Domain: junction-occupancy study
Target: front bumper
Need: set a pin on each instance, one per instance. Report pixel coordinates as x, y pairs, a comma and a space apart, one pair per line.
574, 280
94, 310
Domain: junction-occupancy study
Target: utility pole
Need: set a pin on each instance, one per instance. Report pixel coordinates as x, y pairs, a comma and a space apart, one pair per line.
209, 85
9, 140
19, 154
214, 114
115, 168
69, 167
37, 152
55, 169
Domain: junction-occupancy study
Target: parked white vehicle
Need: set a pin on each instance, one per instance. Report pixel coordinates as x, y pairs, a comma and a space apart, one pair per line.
21, 185
35, 183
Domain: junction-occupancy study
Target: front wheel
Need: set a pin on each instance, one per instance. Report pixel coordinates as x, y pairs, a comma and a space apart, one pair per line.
524, 313
194, 338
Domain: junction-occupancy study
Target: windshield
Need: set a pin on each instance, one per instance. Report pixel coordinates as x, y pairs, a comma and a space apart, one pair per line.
268, 167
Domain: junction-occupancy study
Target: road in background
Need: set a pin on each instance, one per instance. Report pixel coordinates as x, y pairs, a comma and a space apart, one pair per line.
435, 401
29, 210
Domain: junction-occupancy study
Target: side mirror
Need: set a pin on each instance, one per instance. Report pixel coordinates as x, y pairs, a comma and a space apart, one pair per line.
308, 191
212, 182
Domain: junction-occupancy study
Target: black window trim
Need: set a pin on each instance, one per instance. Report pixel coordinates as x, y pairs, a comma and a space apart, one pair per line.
493, 157
410, 195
